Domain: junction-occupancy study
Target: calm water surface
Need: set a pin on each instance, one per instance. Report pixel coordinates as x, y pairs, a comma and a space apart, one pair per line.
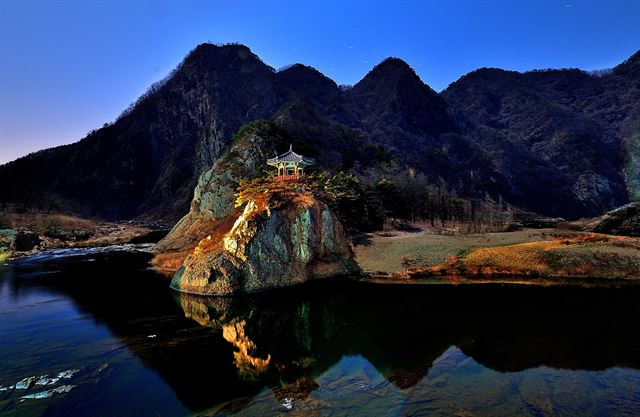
132, 347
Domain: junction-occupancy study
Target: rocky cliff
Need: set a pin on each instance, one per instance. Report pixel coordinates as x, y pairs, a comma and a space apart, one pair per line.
146, 163
212, 211
270, 245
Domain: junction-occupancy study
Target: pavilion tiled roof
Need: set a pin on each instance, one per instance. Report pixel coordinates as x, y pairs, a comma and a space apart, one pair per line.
291, 156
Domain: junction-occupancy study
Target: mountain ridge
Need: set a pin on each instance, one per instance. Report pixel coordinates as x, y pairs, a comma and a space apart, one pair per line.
580, 131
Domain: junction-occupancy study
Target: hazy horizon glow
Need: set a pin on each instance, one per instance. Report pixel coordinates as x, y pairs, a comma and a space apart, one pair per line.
68, 67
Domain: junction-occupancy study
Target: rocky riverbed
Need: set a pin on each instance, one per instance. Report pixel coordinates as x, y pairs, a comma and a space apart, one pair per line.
29, 234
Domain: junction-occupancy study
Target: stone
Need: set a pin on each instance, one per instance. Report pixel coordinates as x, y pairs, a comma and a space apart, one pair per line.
213, 200
623, 221
268, 248
18, 240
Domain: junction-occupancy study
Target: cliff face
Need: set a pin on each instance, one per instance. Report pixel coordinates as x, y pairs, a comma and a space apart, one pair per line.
212, 206
269, 247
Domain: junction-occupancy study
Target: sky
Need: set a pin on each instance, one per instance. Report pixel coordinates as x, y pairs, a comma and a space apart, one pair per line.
67, 67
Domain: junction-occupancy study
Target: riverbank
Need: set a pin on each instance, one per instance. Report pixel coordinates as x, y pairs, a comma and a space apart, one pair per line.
529, 253
24, 234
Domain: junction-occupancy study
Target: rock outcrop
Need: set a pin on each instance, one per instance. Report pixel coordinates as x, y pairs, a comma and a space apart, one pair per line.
212, 207
269, 246
623, 221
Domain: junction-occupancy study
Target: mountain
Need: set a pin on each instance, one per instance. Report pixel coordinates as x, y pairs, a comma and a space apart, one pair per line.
393, 104
147, 161
308, 83
559, 142
560, 136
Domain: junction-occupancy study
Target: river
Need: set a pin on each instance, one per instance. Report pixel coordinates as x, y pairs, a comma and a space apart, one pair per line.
96, 333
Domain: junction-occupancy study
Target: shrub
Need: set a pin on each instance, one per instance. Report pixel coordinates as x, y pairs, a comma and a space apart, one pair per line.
4, 255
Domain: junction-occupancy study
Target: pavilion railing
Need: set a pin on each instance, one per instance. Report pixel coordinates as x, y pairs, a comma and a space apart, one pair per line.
290, 178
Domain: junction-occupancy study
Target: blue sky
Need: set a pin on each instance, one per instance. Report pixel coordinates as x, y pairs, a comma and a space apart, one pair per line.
67, 67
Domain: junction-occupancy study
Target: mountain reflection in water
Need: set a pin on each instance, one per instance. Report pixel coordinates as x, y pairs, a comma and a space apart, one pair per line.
341, 347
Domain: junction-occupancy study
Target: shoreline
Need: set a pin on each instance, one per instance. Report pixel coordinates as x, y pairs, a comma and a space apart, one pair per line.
455, 280
509, 258
364, 278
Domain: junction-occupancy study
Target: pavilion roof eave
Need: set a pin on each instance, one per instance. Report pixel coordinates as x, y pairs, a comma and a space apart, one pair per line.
301, 162
291, 157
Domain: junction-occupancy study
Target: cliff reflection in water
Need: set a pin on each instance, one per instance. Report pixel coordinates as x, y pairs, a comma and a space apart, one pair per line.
213, 313
402, 330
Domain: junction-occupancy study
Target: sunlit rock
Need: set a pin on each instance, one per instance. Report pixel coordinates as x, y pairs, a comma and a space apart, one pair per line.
269, 247
213, 200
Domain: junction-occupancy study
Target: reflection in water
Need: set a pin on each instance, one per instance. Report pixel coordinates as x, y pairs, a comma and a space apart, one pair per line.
341, 347
248, 366
214, 313
506, 342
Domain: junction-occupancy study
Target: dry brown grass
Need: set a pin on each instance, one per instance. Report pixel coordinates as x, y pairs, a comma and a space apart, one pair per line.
566, 255
4, 256
267, 193
525, 253
385, 253
44, 221
57, 230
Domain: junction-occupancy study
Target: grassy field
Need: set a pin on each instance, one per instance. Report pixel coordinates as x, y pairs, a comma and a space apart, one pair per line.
397, 251
531, 253
45, 221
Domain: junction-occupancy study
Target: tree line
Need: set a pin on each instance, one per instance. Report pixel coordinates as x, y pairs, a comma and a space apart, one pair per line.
408, 197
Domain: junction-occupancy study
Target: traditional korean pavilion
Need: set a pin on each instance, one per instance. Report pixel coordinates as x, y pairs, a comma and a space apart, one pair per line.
290, 165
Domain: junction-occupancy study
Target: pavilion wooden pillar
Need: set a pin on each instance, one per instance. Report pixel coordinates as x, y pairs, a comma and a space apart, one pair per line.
290, 165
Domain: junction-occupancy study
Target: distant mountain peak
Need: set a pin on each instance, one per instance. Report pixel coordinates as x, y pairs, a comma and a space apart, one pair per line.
227, 46
302, 70
487, 73
394, 66
308, 81
394, 61
297, 67
389, 74
222, 53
